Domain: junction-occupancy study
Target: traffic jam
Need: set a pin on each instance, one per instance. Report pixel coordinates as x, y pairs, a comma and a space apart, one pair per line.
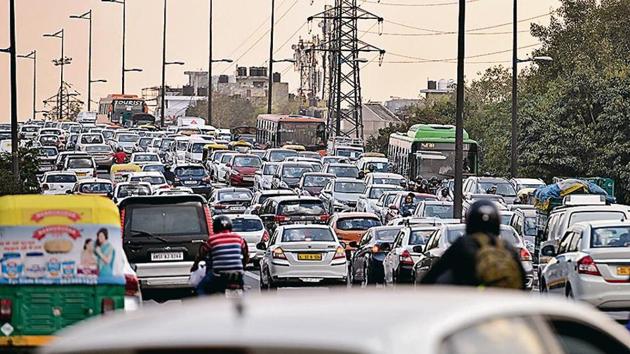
124, 212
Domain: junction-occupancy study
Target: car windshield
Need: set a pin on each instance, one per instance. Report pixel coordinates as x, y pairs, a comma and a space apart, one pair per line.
350, 187
584, 216
389, 199
246, 225
609, 237
247, 161
144, 142
165, 144
146, 158
419, 237
316, 167
153, 180
344, 171
100, 188
295, 171
377, 166
128, 138
351, 153
156, 143
269, 169
357, 224
309, 154
181, 145
154, 168
61, 179
438, 211
129, 190
393, 181
234, 196
386, 235
47, 152
92, 139
503, 188
48, 139
505, 218
376, 193
174, 220
197, 148
301, 207
226, 158
507, 234
98, 148
80, 163
307, 235
107, 134
316, 181
190, 171
30, 129
278, 156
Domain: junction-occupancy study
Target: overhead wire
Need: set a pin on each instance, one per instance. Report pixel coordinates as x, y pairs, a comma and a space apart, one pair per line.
439, 34
417, 5
452, 60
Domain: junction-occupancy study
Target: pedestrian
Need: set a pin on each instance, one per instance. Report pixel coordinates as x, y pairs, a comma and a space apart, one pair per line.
479, 258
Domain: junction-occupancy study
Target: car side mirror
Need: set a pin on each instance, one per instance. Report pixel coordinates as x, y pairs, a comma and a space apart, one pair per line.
418, 249
276, 176
353, 244
361, 175
261, 246
548, 251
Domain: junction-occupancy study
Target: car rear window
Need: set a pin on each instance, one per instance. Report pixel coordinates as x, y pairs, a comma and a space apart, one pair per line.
98, 148
277, 156
149, 179
609, 237
350, 187
419, 237
584, 216
269, 169
316, 181
507, 234
80, 163
129, 190
307, 234
95, 188
246, 225
392, 181
61, 179
301, 207
376, 193
295, 171
154, 168
190, 171
49, 152
439, 211
147, 157
359, 224
234, 195
344, 171
166, 220
247, 161
386, 235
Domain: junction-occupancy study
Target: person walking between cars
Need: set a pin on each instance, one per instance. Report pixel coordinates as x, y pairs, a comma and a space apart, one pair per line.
120, 156
479, 258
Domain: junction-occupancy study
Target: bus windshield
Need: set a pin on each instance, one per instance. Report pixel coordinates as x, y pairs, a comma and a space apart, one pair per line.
441, 164
302, 133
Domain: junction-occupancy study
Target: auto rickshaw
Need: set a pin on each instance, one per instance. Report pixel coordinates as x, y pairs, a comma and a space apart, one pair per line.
294, 147
118, 172
240, 146
62, 262
210, 148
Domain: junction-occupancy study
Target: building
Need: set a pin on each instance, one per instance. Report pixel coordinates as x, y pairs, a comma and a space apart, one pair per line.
438, 89
397, 104
375, 117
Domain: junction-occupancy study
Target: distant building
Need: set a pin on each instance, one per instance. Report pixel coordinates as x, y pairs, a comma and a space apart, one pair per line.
397, 104
438, 89
375, 117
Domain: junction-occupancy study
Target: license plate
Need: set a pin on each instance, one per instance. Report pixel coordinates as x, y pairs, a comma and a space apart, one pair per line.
81, 174
167, 256
46, 168
239, 208
248, 179
309, 256
190, 182
625, 270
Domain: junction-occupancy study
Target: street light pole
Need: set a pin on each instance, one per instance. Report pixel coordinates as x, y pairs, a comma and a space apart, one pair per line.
124, 33
513, 147
88, 16
61, 63
33, 56
270, 83
459, 115
209, 119
14, 106
162, 103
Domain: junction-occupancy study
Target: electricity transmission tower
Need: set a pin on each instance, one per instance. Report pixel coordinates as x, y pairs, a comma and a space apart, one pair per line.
65, 102
343, 46
306, 63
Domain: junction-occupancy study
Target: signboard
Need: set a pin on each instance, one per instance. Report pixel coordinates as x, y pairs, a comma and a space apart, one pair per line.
441, 146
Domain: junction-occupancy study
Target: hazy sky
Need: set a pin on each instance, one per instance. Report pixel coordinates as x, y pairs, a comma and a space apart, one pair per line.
235, 36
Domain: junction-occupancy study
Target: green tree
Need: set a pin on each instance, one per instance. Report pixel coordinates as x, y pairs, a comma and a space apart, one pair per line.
227, 111
28, 163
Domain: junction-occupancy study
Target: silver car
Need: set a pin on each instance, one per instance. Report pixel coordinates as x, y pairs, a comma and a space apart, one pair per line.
251, 228
264, 176
592, 264
302, 254
368, 200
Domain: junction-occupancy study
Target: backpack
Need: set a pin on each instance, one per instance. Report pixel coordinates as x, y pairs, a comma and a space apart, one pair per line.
495, 265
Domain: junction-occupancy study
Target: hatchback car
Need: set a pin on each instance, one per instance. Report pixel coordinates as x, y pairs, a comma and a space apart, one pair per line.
57, 182
278, 211
230, 200
192, 176
83, 166
242, 169
484, 185
312, 183
251, 228
128, 189
261, 196
94, 186
352, 226
366, 263
102, 153
405, 251
302, 254
342, 194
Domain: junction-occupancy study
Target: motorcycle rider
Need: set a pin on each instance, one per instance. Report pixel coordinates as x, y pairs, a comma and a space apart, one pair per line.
408, 205
120, 156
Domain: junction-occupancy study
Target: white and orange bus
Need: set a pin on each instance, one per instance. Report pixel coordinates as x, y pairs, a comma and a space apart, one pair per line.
118, 109
277, 130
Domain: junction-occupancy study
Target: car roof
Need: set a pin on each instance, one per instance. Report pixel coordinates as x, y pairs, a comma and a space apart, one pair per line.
304, 226
322, 174
383, 175
233, 189
243, 216
355, 214
285, 198
161, 199
386, 186
578, 208
60, 173
603, 223
348, 179
337, 164
277, 192
264, 321
94, 180
146, 174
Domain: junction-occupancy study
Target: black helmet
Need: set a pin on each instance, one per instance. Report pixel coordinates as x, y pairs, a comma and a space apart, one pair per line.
221, 223
483, 216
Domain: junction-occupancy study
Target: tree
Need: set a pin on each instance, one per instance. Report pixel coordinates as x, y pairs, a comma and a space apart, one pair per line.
29, 167
227, 111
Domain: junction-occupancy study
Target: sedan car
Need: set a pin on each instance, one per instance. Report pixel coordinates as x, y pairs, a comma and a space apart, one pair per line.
261, 196
230, 200
102, 153
406, 250
352, 226
366, 263
251, 228
57, 182
242, 169
302, 254
288, 174
342, 194
373, 192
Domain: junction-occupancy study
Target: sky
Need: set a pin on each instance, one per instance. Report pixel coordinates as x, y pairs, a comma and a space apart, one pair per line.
413, 31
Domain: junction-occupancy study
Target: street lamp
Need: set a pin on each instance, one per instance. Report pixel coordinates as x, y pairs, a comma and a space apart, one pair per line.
270, 81
88, 16
210, 82
124, 10
459, 112
59, 34
33, 56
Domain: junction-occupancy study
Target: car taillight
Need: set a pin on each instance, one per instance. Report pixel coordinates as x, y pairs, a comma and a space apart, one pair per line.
107, 305
339, 253
280, 218
405, 258
219, 206
525, 255
208, 215
122, 222
131, 285
6, 310
166, 186
265, 236
324, 217
278, 253
586, 265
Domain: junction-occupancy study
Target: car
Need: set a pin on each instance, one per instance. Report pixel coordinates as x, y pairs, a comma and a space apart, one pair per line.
46, 156
288, 174
261, 196
128, 189
506, 216
83, 166
53, 131
277, 211
405, 251
591, 264
193, 176
482, 185
242, 169
315, 163
434, 209
154, 167
251, 228
63, 155
87, 139
194, 150
369, 198
522, 183
125, 140
334, 159
470, 199
259, 153
162, 249
264, 176
341, 170
310, 155
230, 200
351, 226
174, 191
342, 194
49, 140
302, 254
368, 164
133, 295
141, 158
154, 146
278, 155
213, 161
102, 153
57, 182
524, 222
366, 262
444, 237
386, 199
385, 178
71, 142
221, 169
94, 186
156, 179
312, 183
29, 131
392, 211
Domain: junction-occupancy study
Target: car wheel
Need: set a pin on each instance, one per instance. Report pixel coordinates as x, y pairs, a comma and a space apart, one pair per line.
569, 293
352, 279
366, 277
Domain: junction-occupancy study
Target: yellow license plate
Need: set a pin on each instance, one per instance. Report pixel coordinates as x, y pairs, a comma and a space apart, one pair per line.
625, 270
309, 256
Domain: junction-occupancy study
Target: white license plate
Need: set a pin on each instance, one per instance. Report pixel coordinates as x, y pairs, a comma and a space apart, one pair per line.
190, 182
248, 179
239, 208
167, 256
46, 168
311, 280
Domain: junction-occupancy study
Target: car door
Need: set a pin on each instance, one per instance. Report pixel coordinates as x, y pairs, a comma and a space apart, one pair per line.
325, 197
391, 259
267, 258
358, 259
572, 256
431, 252
555, 272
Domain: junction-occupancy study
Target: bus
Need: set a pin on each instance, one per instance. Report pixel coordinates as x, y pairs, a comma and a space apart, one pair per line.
119, 109
275, 130
428, 150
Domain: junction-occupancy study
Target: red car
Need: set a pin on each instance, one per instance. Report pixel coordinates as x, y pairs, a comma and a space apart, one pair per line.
242, 169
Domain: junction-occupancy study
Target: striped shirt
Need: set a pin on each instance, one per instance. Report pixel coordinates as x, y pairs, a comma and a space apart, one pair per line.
226, 250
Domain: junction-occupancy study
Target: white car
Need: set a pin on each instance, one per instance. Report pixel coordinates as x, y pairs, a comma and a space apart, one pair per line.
57, 182
263, 177
385, 178
83, 166
175, 191
221, 169
591, 264
367, 201
156, 179
142, 158
302, 254
373, 163
128, 189
434, 320
194, 150
87, 139
522, 183
178, 150
251, 228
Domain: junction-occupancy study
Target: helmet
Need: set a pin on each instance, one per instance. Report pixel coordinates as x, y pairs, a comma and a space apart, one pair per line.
483, 216
119, 149
444, 192
221, 223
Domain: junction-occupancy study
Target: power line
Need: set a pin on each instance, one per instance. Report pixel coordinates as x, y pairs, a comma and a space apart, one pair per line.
439, 34
290, 38
425, 60
417, 5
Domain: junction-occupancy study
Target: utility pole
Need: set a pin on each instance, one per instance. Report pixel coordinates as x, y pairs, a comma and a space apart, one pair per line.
88, 16
270, 89
124, 33
209, 119
33, 56
162, 103
514, 143
459, 114
61, 62
14, 107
